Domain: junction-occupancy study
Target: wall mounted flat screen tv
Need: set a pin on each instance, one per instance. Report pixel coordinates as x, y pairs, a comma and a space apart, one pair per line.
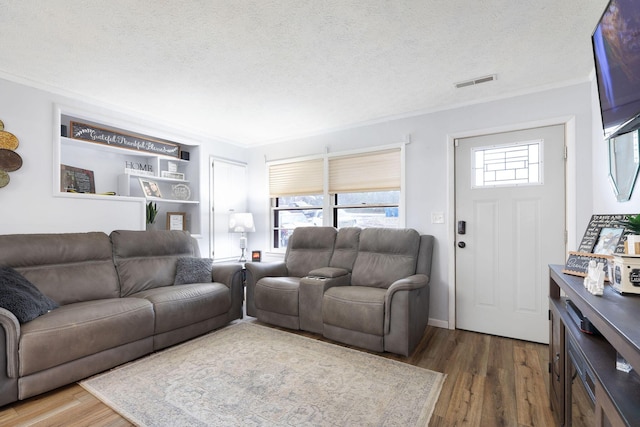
616, 49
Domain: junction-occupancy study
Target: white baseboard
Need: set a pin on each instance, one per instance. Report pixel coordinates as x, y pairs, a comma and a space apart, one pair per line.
438, 323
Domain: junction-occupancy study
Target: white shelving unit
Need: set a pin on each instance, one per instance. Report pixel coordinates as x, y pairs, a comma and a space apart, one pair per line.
115, 171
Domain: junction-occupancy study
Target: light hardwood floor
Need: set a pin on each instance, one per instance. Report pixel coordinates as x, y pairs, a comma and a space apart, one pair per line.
491, 381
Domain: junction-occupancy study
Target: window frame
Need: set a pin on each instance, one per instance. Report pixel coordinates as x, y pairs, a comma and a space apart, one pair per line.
330, 205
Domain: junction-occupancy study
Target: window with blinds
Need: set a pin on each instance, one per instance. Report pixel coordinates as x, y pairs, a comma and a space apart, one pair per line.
296, 178
363, 190
377, 171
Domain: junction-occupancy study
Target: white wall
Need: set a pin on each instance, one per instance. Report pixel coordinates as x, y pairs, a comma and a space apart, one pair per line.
28, 204
427, 184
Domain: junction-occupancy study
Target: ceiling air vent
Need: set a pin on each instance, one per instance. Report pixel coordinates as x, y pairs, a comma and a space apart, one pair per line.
476, 81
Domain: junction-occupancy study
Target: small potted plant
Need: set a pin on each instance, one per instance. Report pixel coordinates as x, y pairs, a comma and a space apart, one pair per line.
152, 212
632, 227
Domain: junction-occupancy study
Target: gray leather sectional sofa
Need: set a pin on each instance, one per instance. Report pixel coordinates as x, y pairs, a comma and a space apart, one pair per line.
117, 302
363, 287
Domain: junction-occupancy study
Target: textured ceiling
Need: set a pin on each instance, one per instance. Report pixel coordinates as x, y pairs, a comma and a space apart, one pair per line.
258, 71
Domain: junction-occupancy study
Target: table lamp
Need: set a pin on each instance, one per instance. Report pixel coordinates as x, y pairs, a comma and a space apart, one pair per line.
241, 222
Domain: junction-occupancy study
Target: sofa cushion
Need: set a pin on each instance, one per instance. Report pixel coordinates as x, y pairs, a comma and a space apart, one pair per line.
384, 256
178, 306
193, 270
65, 267
21, 297
309, 248
346, 248
356, 308
278, 295
77, 330
147, 259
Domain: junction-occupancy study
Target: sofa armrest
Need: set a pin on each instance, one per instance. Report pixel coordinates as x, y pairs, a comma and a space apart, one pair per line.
11, 327
417, 281
230, 274
328, 272
256, 271
226, 273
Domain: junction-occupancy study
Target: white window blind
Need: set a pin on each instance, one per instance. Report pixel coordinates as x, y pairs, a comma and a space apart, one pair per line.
296, 178
375, 171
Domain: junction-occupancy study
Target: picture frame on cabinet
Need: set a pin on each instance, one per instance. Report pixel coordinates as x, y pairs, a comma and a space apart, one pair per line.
76, 180
150, 188
176, 221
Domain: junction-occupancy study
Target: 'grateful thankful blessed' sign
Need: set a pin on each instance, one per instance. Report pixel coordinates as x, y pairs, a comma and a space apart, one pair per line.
117, 139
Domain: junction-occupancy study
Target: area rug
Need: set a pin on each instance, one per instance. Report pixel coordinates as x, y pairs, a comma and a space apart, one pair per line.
251, 375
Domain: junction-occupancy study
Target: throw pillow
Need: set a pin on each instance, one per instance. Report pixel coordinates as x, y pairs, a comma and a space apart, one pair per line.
21, 297
193, 270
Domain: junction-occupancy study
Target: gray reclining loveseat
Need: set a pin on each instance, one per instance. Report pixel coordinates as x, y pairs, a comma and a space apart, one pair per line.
364, 287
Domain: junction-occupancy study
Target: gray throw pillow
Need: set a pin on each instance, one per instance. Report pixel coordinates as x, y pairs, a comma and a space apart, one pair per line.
21, 297
193, 270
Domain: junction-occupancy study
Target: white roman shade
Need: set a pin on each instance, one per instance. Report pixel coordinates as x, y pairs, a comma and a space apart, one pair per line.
375, 171
296, 178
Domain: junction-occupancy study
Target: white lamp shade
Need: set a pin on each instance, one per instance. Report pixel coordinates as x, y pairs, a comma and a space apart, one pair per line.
241, 222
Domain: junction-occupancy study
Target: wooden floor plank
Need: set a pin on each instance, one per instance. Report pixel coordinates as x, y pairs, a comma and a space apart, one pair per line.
491, 381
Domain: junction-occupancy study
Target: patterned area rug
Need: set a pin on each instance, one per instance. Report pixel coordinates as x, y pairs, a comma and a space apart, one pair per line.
251, 375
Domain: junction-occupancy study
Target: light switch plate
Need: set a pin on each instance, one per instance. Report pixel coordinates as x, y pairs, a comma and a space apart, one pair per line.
437, 217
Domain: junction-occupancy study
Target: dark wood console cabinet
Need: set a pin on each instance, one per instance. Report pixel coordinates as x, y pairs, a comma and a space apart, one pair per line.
573, 354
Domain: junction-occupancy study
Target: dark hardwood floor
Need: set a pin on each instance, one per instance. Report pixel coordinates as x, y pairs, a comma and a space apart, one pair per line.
491, 381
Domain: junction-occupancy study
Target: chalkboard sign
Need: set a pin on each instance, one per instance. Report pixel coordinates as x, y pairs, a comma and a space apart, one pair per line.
578, 263
604, 234
76, 180
118, 139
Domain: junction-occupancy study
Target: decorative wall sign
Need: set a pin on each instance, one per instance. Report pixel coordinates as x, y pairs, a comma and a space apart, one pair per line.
172, 175
601, 233
176, 221
138, 168
112, 138
180, 192
76, 180
578, 263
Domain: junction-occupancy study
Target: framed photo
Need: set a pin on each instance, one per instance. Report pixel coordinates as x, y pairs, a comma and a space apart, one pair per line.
176, 221
608, 240
150, 188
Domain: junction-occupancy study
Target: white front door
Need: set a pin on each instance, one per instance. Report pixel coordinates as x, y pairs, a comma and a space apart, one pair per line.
510, 213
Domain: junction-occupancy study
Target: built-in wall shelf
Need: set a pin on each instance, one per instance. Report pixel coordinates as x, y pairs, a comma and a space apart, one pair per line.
106, 168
